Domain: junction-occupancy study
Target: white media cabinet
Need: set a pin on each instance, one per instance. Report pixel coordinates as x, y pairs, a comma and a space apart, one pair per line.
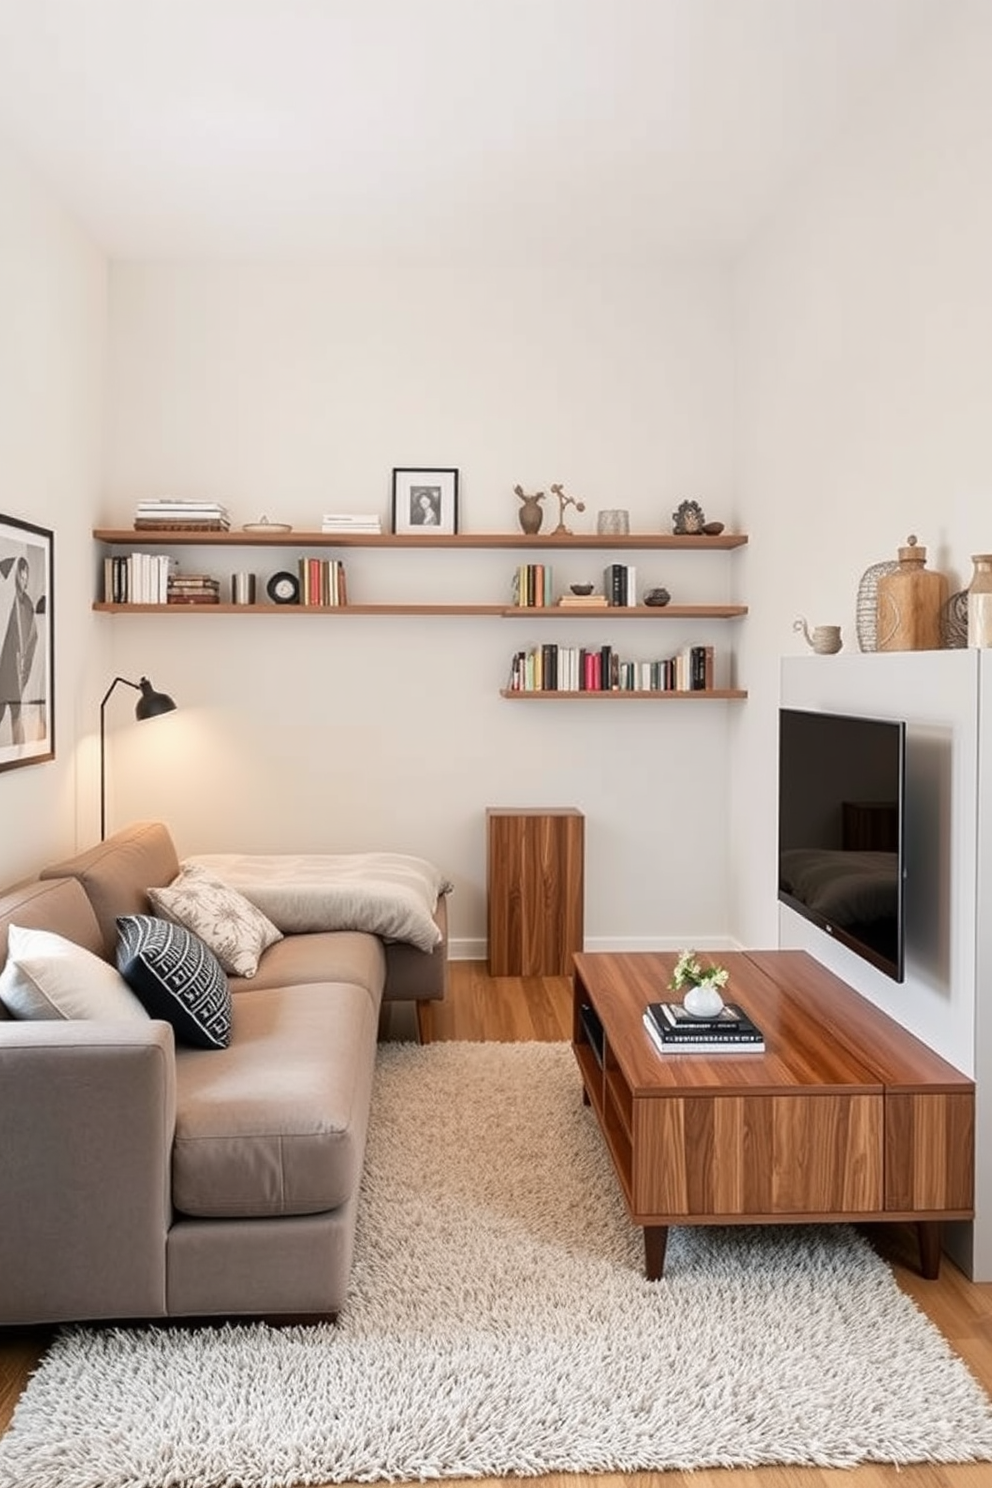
945, 698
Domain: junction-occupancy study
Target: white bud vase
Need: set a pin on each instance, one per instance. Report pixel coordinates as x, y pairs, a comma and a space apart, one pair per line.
703, 1001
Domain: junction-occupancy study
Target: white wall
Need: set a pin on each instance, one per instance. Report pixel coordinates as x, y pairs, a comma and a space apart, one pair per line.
291, 390
864, 334
53, 316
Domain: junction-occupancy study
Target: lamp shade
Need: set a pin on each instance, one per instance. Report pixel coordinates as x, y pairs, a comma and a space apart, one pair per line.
151, 703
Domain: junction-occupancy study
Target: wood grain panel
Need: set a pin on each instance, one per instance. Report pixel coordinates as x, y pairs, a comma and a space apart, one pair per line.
535, 890
758, 1156
661, 1182
929, 1152
827, 1154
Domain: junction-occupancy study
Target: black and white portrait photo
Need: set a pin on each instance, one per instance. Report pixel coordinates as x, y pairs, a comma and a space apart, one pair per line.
26, 705
425, 506
425, 501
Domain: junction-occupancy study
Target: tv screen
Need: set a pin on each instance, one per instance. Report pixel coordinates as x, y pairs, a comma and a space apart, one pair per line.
841, 829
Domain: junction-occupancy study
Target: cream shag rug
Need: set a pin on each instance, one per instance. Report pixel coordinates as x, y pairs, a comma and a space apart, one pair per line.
499, 1323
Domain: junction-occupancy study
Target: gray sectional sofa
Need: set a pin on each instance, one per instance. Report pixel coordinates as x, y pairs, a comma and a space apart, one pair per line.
143, 1179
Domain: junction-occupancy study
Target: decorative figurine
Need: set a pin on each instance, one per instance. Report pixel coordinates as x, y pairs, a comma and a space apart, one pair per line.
824, 640
688, 519
530, 514
564, 501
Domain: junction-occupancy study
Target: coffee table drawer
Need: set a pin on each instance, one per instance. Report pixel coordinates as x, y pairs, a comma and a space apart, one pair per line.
757, 1155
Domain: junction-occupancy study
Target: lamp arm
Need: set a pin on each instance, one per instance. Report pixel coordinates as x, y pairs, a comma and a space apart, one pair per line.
103, 752
106, 696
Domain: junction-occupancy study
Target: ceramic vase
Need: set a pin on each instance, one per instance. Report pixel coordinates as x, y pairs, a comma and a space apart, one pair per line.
703, 1001
531, 514
980, 601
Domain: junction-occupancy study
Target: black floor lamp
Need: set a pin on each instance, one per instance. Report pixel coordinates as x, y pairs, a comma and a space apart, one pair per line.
149, 705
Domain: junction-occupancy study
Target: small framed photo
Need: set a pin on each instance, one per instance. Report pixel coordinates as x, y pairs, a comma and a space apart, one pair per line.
27, 703
425, 501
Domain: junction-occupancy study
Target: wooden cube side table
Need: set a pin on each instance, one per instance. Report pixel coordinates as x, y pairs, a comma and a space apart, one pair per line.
535, 889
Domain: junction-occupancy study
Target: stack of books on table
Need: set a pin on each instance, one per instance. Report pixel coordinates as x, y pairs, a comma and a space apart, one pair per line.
350, 522
193, 589
674, 1031
173, 515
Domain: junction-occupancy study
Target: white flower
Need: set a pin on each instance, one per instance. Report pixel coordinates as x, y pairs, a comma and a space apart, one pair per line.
689, 972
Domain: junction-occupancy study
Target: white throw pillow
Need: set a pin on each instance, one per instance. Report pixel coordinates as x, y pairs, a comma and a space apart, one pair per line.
47, 976
235, 929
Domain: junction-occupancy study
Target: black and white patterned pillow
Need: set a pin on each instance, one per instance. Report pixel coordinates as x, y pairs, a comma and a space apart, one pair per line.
176, 978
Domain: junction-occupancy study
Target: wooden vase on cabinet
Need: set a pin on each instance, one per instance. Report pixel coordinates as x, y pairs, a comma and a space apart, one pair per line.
911, 600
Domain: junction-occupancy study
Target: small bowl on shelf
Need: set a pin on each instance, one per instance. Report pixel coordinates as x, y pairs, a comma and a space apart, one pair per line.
712, 529
581, 588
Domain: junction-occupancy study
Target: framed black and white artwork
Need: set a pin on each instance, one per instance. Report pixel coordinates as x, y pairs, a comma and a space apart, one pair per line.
425, 501
27, 682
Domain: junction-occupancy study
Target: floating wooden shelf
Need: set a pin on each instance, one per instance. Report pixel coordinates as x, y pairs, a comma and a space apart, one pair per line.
617, 695
126, 536
505, 612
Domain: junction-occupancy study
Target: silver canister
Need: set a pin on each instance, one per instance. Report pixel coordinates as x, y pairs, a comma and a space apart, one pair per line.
243, 588
615, 523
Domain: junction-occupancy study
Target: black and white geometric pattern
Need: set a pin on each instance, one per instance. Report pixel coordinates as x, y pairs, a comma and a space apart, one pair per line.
177, 978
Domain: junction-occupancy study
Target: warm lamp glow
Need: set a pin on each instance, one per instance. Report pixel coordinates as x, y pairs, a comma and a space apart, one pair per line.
151, 704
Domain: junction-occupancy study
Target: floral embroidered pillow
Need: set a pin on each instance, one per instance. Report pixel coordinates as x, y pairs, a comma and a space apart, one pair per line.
235, 929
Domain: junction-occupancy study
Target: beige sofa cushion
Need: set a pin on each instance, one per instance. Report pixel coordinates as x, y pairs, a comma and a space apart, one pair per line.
275, 1124
325, 956
116, 874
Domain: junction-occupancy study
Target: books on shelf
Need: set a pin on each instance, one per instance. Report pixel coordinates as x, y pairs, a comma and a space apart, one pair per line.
170, 514
620, 584
323, 582
137, 578
533, 586
193, 589
600, 669
583, 601
353, 522
674, 1031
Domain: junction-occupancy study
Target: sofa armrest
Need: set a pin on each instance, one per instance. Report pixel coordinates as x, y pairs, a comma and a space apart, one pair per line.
87, 1112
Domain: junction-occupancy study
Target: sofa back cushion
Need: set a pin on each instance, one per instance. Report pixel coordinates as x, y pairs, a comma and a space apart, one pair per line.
59, 905
117, 874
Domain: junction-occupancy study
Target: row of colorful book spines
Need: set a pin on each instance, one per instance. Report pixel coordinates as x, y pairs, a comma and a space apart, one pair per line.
322, 582
553, 668
533, 586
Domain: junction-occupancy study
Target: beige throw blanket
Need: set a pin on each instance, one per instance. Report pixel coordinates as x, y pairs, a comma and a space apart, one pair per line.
386, 894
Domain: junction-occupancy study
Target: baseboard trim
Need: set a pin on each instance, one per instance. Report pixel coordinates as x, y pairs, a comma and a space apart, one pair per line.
467, 949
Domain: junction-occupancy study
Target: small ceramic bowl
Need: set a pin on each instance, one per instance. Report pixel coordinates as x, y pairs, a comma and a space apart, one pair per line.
581, 588
712, 529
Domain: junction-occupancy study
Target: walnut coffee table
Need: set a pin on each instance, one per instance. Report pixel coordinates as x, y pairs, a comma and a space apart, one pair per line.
846, 1117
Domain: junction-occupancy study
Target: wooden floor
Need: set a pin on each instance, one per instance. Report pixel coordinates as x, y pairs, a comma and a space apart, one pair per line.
523, 1008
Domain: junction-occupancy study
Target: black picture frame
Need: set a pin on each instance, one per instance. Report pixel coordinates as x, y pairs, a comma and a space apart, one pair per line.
27, 644
425, 502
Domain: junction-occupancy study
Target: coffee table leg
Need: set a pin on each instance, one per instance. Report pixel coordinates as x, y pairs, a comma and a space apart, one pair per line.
655, 1241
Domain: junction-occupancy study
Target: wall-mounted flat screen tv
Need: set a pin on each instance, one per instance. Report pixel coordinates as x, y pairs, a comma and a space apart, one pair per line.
841, 829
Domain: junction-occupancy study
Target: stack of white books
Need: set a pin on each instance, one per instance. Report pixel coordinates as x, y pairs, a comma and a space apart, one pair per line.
354, 522
171, 512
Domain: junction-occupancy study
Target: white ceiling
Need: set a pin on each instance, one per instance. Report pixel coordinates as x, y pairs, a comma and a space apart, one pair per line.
201, 127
